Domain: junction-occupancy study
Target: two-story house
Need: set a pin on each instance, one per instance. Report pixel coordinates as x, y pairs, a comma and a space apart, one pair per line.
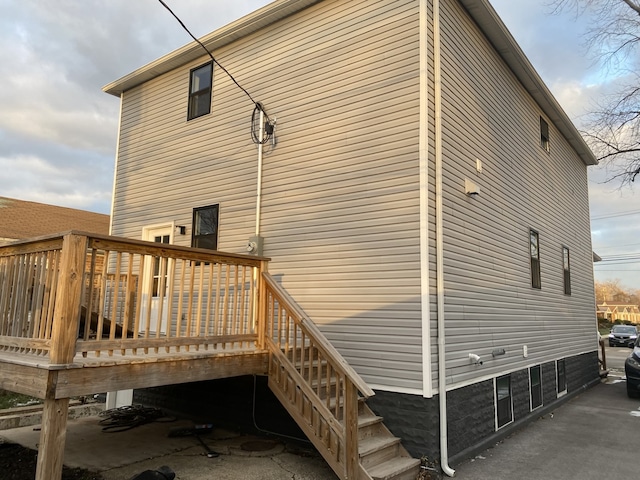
420, 193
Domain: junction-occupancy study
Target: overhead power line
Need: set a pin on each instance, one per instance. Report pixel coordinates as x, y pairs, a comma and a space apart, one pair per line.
615, 215
617, 246
268, 131
209, 53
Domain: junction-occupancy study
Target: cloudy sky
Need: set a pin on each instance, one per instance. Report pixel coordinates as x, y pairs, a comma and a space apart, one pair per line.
58, 129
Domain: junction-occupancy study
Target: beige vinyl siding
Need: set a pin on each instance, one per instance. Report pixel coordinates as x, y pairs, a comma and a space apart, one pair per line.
340, 211
341, 204
490, 303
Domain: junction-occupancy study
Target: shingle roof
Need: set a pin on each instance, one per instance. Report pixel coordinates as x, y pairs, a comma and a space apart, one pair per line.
20, 219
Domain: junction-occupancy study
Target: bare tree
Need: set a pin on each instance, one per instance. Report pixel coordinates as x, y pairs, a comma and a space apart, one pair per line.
612, 129
612, 291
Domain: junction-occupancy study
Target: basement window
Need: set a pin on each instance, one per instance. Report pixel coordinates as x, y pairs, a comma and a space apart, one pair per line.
534, 247
200, 91
561, 377
535, 381
544, 135
566, 268
504, 409
205, 227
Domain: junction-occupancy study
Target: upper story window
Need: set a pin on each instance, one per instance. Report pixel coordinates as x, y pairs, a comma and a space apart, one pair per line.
544, 134
200, 91
567, 270
205, 227
534, 246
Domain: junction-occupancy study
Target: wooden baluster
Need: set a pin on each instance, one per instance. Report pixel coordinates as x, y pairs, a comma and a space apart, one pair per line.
225, 303
128, 302
208, 324
200, 297
192, 274
171, 267
139, 298
115, 299
162, 283
217, 321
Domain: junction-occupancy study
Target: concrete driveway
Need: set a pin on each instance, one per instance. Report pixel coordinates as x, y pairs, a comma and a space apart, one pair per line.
593, 436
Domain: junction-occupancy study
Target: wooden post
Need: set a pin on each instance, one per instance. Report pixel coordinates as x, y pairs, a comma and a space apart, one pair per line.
68, 299
352, 458
63, 343
53, 435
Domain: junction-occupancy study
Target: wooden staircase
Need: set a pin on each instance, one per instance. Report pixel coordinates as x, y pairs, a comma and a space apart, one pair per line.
326, 397
382, 456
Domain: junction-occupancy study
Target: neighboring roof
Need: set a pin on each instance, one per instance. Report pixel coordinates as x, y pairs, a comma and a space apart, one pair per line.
480, 10
596, 257
20, 219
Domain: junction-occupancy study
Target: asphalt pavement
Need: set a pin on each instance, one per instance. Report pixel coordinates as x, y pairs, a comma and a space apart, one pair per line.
592, 436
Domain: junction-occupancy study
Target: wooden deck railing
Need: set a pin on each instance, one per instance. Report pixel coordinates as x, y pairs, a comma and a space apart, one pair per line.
132, 298
81, 299
312, 380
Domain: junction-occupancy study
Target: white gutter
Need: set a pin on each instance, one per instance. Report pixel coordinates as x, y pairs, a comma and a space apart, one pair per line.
259, 187
442, 379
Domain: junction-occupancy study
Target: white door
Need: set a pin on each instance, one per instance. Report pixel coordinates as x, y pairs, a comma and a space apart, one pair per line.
154, 308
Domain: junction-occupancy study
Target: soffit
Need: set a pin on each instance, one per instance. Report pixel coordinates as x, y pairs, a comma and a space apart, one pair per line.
504, 43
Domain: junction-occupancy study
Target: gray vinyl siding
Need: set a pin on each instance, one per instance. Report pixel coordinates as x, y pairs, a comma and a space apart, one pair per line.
340, 210
341, 194
489, 302
341, 204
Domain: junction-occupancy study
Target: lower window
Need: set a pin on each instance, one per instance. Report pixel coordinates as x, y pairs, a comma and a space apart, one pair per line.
205, 227
561, 377
535, 380
504, 412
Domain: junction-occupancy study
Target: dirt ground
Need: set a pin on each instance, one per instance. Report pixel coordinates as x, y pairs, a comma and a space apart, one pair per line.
19, 463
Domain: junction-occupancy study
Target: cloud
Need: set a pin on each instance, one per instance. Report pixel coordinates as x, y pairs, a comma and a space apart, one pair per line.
52, 173
57, 128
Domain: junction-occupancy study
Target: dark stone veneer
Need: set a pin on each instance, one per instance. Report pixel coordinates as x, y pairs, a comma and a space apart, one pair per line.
413, 418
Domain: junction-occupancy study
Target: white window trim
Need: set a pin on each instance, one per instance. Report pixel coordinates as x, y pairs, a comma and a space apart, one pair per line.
495, 402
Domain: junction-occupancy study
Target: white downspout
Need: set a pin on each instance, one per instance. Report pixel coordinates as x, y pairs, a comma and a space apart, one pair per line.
115, 166
259, 187
442, 379
118, 398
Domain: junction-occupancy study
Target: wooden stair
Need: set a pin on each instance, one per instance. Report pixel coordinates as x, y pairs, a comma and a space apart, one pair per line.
326, 397
382, 455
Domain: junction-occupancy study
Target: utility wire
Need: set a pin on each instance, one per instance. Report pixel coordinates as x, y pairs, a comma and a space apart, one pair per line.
617, 246
614, 215
258, 106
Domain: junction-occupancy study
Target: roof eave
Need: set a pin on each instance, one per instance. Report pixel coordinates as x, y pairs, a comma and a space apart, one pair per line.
242, 27
480, 10
504, 43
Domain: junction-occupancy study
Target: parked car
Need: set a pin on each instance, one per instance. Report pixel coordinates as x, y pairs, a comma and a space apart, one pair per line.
632, 371
624, 335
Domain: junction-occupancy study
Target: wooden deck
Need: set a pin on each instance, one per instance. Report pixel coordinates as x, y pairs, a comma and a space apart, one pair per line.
83, 314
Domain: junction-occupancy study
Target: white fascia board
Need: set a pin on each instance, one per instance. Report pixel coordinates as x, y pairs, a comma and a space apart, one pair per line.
240, 28
495, 30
